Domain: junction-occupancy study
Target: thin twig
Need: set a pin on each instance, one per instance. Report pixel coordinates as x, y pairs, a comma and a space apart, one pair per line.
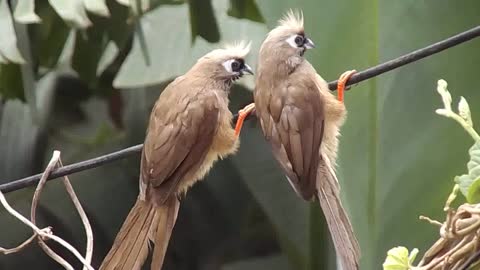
356, 78
48, 234
33, 211
25, 243
431, 221
83, 216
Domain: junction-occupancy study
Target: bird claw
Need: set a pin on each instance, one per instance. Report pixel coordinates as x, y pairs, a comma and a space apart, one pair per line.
242, 115
342, 81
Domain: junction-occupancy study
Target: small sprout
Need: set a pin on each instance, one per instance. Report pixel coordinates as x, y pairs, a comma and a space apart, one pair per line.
398, 259
463, 117
443, 112
464, 111
452, 196
446, 97
412, 256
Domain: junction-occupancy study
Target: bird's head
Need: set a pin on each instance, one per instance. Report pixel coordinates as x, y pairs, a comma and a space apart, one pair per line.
227, 64
288, 41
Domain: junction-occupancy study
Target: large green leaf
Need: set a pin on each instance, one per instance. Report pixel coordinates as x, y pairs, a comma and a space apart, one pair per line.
396, 154
18, 140
25, 12
73, 12
8, 43
170, 52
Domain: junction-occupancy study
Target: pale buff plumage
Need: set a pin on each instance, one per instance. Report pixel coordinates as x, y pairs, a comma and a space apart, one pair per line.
189, 129
301, 119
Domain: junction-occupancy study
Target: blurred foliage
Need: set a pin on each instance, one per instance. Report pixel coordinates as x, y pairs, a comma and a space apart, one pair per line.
81, 76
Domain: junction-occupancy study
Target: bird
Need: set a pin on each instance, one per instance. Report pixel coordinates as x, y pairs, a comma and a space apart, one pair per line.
301, 119
190, 128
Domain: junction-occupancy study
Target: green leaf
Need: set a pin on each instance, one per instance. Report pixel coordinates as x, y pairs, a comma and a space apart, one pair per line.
98, 7
171, 52
8, 42
11, 85
157, 25
25, 12
468, 183
245, 9
464, 181
202, 20
50, 36
28, 70
473, 164
88, 50
72, 12
18, 140
397, 259
473, 195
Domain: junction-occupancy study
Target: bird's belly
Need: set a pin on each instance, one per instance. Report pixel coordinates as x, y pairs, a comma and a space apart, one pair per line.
199, 174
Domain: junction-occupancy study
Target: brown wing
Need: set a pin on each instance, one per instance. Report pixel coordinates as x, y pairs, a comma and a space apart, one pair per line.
176, 145
292, 120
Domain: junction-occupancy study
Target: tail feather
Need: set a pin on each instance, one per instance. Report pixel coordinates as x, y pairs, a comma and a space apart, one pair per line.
144, 222
130, 248
166, 218
341, 229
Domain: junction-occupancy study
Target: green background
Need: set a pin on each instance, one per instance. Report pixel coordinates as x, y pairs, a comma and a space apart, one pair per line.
87, 91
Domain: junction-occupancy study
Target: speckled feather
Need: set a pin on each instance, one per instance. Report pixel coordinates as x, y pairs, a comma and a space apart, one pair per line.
189, 129
301, 120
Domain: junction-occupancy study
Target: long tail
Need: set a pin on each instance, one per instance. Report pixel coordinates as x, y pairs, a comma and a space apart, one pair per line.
166, 218
144, 222
341, 229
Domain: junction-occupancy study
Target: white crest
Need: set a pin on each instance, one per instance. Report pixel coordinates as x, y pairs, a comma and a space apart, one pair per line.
238, 49
233, 50
292, 19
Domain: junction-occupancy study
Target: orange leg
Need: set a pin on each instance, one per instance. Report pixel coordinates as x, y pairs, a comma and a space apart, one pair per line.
342, 81
242, 114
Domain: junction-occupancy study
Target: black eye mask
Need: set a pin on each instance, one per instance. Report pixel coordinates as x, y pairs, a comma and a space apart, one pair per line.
237, 65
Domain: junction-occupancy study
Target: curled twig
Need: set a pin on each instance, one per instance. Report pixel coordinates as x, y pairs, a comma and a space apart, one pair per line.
46, 233
83, 216
431, 221
459, 238
33, 211
25, 243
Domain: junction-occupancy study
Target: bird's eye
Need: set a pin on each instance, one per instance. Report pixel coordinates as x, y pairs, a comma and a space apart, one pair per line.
299, 40
236, 66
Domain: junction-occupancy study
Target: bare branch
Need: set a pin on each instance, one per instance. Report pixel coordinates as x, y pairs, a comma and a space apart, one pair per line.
83, 216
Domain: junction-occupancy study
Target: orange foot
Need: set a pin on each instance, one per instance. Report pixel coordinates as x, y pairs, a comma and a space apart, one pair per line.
242, 114
342, 81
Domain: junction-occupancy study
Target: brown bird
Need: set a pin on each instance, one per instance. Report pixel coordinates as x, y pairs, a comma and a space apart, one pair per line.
301, 119
189, 129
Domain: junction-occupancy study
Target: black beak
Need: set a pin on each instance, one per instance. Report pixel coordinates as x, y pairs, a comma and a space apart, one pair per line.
309, 44
247, 69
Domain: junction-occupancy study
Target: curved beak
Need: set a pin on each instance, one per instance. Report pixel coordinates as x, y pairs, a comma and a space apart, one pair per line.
309, 44
247, 69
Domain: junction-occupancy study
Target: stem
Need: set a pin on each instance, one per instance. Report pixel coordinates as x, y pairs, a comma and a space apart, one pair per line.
464, 124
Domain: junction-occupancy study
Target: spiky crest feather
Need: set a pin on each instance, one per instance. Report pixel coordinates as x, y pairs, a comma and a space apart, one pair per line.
293, 19
231, 50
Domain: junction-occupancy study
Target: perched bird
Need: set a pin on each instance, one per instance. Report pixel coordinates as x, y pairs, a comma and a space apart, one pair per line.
301, 119
189, 129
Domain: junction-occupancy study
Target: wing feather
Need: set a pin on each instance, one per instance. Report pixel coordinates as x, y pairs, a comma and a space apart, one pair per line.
293, 123
177, 145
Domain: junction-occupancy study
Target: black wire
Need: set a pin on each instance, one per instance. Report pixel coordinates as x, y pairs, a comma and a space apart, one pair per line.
356, 78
